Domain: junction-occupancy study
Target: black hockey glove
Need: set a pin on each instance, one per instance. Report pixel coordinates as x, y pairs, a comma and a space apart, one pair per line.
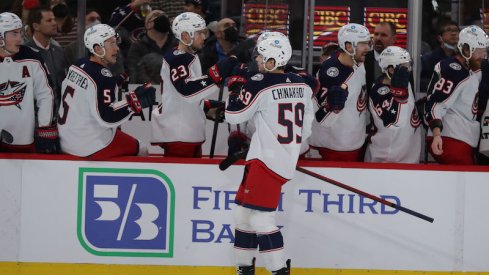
237, 142
399, 84
122, 79
311, 81
47, 140
214, 110
222, 69
143, 97
336, 98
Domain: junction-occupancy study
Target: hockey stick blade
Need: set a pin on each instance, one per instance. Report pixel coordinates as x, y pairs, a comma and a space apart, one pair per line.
231, 159
365, 194
6, 137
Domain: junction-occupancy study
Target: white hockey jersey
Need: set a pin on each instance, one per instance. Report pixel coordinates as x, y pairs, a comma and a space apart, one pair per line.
24, 86
396, 137
454, 101
89, 114
179, 117
280, 106
345, 130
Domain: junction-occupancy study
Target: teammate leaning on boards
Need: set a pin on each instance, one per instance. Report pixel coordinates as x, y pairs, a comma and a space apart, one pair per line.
89, 114
396, 137
25, 93
341, 116
280, 106
178, 124
451, 108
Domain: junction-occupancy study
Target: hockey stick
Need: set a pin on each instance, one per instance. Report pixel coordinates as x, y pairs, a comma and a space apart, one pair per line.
365, 194
231, 159
216, 125
238, 155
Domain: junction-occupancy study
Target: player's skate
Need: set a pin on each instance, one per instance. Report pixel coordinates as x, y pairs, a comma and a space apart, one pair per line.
283, 271
246, 270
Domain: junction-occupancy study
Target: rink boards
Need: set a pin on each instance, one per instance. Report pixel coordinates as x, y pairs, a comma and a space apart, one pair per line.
155, 216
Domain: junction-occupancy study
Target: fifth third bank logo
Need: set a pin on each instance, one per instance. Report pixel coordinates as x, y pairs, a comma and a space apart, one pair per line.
125, 212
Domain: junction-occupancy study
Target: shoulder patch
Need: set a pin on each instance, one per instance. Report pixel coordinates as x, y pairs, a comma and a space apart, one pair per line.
178, 52
455, 66
106, 72
383, 90
257, 77
333, 72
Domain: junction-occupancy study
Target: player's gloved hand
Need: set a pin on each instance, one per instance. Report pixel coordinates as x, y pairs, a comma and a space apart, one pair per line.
122, 79
214, 110
399, 84
336, 98
222, 69
237, 142
143, 97
47, 140
235, 83
311, 81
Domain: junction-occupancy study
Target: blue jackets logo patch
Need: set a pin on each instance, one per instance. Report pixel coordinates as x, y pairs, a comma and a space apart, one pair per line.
125, 212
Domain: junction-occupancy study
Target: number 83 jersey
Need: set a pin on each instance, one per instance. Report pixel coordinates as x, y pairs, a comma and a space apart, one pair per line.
280, 107
454, 101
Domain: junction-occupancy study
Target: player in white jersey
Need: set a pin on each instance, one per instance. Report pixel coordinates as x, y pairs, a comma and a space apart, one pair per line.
280, 106
25, 93
89, 113
178, 124
396, 137
339, 131
451, 108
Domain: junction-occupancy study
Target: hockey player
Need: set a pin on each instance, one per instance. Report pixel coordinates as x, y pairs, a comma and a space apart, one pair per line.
280, 106
395, 118
451, 108
178, 124
338, 132
25, 93
89, 113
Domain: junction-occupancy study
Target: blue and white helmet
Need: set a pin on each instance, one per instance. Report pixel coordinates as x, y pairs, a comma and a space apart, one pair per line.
97, 35
393, 56
266, 34
188, 22
353, 33
276, 47
474, 37
9, 22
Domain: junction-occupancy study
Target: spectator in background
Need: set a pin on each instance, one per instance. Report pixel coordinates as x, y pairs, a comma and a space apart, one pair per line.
128, 22
447, 38
67, 22
157, 40
451, 107
199, 7
44, 27
384, 36
220, 45
171, 8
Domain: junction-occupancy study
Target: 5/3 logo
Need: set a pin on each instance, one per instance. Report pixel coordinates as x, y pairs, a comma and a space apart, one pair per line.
125, 212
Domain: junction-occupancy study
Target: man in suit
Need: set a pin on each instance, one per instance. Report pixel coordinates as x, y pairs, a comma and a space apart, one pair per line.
384, 36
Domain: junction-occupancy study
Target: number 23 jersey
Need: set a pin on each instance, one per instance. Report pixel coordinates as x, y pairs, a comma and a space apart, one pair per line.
280, 107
